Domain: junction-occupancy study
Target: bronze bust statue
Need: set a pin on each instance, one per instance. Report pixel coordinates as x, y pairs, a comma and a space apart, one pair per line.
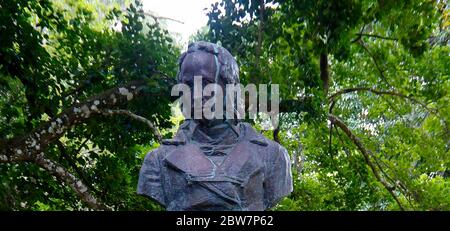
215, 164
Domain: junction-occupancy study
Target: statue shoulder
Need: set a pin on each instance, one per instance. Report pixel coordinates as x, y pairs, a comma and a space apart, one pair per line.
167, 145
181, 136
255, 137
158, 153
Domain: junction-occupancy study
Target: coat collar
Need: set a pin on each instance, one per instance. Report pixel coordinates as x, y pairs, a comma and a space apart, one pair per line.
189, 159
187, 128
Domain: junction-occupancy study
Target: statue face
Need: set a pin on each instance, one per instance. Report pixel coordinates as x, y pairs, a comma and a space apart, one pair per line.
202, 64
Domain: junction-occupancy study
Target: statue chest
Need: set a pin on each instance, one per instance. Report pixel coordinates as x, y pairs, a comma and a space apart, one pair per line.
193, 180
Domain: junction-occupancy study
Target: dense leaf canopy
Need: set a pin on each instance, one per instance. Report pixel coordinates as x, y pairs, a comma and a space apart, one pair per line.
85, 94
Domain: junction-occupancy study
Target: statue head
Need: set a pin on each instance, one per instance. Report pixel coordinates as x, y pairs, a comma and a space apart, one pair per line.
214, 163
212, 62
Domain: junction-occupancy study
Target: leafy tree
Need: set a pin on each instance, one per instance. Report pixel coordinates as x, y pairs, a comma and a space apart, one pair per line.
84, 95
76, 88
364, 87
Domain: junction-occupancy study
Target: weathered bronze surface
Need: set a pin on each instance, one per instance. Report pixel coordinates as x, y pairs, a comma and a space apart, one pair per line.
215, 164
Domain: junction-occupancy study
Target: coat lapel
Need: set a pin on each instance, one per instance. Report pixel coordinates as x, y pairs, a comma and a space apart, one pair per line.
189, 159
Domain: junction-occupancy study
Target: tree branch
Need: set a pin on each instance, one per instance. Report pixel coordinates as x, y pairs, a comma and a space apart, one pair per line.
155, 131
73, 164
366, 153
26, 147
324, 72
299, 158
260, 36
77, 185
376, 36
31, 147
4, 159
355, 164
157, 18
377, 65
375, 91
378, 92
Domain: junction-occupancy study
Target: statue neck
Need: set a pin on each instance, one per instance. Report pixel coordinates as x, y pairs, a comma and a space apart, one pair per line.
217, 129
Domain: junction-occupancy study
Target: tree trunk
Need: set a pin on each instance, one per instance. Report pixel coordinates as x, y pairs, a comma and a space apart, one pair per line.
324, 72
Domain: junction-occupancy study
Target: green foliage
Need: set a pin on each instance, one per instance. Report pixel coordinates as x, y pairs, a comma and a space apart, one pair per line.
396, 47
55, 54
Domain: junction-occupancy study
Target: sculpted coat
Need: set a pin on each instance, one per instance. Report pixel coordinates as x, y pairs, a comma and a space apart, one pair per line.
215, 164
255, 174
